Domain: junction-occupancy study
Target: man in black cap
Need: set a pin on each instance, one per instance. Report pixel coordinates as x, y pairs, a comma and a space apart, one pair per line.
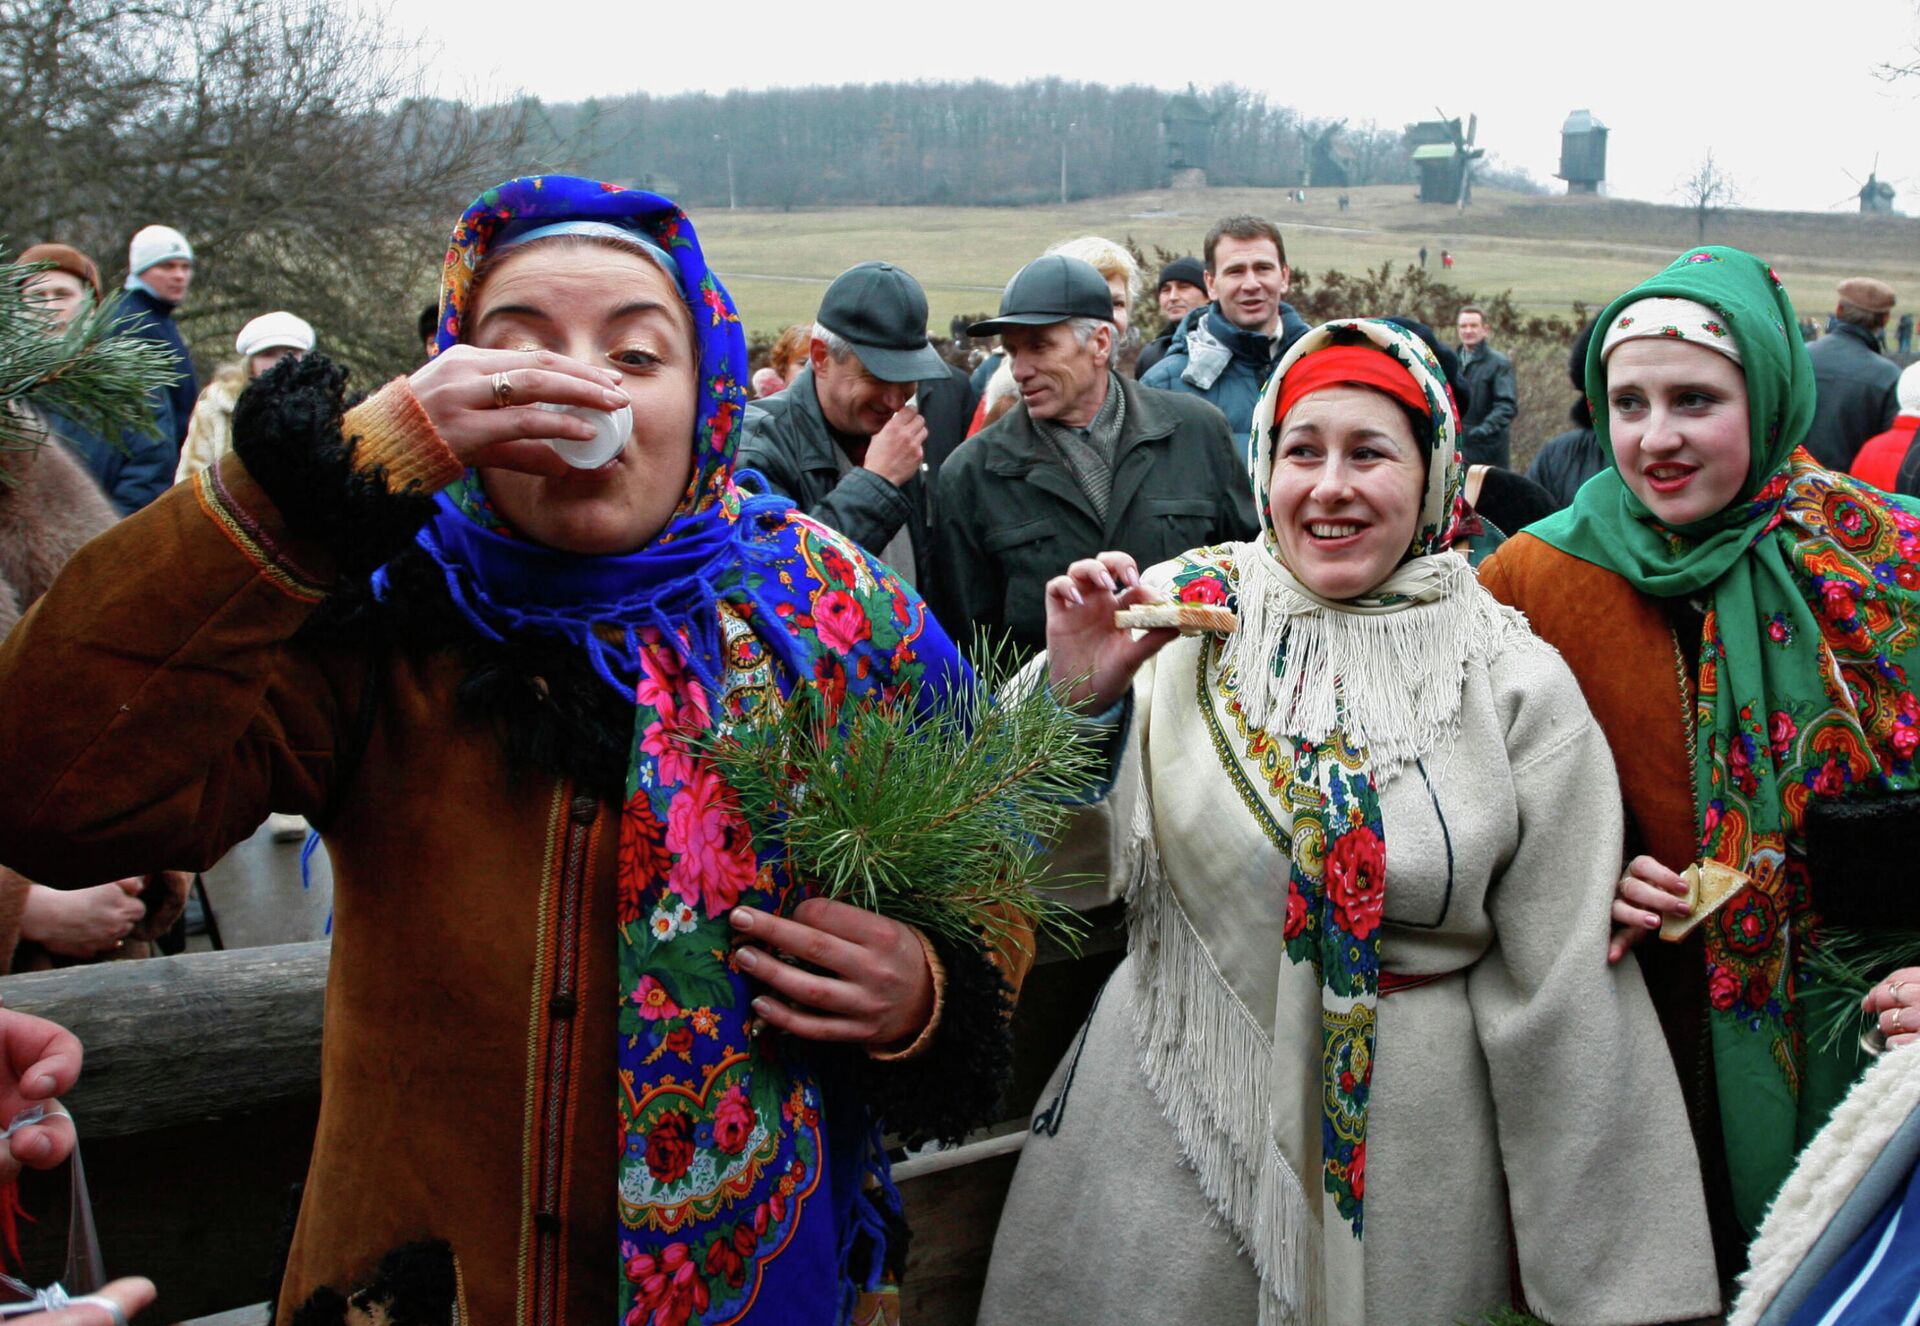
1182, 289
844, 440
1087, 461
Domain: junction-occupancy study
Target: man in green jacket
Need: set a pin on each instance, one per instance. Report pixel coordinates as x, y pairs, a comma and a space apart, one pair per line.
845, 440
1088, 461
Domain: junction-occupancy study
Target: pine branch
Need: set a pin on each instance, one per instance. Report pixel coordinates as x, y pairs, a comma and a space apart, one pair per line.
99, 380
939, 821
1844, 966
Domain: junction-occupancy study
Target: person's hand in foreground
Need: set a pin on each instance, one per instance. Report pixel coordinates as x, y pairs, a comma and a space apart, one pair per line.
1647, 892
485, 404
42, 1059
127, 1296
870, 982
1895, 1004
1090, 661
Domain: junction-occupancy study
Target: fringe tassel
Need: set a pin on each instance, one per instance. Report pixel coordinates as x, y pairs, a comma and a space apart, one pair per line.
1208, 1064
12, 1212
1390, 680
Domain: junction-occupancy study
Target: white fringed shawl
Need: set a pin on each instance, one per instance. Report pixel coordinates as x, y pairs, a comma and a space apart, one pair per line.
1386, 673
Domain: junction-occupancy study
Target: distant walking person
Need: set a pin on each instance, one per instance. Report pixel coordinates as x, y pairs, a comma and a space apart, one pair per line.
1906, 333
1446, 259
1224, 352
1492, 400
1423, 257
159, 273
1856, 383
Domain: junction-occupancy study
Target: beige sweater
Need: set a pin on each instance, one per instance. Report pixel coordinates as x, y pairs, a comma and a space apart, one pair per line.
210, 430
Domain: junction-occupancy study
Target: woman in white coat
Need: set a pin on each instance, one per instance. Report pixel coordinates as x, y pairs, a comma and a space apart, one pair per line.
1366, 1060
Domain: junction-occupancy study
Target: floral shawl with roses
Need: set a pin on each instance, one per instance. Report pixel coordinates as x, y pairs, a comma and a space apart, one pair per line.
1311, 706
1811, 584
750, 1183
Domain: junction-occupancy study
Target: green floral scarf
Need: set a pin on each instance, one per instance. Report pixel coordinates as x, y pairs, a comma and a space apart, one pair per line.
1804, 692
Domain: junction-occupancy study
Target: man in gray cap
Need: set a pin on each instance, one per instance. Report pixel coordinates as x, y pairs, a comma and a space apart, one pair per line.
844, 440
1087, 461
1858, 385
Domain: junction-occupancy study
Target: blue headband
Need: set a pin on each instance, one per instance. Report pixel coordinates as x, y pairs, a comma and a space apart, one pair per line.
510, 238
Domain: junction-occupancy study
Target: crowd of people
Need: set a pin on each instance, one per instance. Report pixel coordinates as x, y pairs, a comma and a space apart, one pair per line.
1393, 1040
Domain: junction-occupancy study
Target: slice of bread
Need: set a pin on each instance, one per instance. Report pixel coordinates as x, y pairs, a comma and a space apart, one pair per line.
1186, 618
1709, 884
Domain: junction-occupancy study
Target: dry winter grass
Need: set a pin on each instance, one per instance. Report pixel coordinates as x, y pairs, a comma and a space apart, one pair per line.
1549, 252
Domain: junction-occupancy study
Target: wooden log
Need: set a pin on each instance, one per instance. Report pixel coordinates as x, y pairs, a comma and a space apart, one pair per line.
171, 1041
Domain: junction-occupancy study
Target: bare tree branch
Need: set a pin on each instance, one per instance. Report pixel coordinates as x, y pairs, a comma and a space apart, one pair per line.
1705, 192
294, 143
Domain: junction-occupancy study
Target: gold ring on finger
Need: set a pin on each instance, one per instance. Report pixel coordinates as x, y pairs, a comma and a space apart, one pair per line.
502, 391
1895, 1026
1893, 991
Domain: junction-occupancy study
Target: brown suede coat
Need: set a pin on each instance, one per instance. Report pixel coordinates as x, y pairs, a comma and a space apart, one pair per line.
1634, 673
468, 1058
468, 1067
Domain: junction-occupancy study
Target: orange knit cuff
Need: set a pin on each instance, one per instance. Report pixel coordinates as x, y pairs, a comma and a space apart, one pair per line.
920, 1043
391, 431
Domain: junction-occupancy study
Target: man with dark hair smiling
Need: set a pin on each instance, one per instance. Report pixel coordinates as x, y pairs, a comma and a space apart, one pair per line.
1224, 351
1088, 460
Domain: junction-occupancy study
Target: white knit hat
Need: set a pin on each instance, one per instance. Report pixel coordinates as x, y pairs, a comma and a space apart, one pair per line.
274, 331
153, 244
1907, 392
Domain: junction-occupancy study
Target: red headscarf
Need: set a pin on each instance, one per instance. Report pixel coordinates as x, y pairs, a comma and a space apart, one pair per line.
1350, 366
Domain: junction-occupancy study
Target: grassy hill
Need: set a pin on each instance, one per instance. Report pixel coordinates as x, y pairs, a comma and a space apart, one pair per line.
1549, 251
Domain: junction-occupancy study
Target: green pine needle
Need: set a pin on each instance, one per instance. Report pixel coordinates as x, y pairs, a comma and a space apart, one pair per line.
942, 822
1844, 966
99, 380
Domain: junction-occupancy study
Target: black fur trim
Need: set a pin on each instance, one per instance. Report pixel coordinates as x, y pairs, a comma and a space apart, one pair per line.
954, 1086
549, 709
286, 427
414, 1285
1860, 856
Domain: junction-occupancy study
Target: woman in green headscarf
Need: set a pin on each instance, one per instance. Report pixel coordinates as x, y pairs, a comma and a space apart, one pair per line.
1743, 624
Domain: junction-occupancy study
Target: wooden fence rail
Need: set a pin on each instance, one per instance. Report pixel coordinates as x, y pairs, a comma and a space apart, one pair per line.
197, 1105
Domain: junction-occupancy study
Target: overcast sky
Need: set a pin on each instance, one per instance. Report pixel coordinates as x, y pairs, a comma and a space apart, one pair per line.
1785, 95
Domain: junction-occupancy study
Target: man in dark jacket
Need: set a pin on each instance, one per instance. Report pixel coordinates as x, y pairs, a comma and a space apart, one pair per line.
1088, 461
1182, 289
843, 440
135, 469
1223, 352
1492, 399
1858, 386
159, 273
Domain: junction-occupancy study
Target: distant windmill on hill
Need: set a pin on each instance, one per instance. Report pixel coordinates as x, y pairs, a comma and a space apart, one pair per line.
1445, 158
1875, 196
